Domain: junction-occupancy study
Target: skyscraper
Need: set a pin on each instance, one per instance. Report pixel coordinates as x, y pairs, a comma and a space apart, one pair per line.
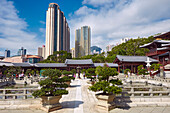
22, 51
7, 53
57, 30
77, 43
82, 41
41, 51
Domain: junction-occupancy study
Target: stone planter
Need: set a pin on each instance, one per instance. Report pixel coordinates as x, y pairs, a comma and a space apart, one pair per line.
51, 103
105, 101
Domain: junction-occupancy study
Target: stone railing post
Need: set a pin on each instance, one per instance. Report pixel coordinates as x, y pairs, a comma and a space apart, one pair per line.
25, 92
132, 92
151, 92
4, 94
160, 94
15, 97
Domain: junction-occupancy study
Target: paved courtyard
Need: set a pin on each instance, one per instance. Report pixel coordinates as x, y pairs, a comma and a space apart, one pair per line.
81, 100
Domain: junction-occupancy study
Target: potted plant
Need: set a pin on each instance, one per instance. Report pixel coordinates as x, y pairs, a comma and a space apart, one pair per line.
52, 89
108, 87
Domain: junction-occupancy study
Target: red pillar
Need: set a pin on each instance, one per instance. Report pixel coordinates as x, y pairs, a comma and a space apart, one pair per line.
118, 68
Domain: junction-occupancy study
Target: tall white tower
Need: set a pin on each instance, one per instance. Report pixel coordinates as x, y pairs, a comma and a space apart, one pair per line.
57, 31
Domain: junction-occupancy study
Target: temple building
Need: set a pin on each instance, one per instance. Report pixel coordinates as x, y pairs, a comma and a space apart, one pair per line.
131, 62
159, 49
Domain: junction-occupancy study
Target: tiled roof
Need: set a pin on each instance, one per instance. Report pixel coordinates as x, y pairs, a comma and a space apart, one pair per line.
50, 65
135, 58
156, 41
5, 63
22, 64
109, 64
86, 61
164, 54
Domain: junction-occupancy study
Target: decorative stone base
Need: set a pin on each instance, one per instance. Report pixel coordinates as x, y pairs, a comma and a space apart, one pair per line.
105, 102
49, 108
51, 103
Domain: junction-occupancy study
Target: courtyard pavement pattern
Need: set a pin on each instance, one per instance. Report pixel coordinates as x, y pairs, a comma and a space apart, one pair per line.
81, 100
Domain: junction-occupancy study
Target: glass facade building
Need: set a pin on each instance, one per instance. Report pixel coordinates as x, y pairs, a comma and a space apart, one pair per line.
7, 53
82, 41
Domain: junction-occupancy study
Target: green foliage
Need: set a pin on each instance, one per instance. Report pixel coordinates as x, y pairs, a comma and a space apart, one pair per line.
117, 81
53, 85
57, 57
132, 47
142, 71
127, 70
155, 66
83, 71
90, 72
73, 71
105, 72
66, 72
106, 87
104, 84
12, 70
28, 72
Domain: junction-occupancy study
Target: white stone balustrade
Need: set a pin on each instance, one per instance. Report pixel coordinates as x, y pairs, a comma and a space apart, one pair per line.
14, 93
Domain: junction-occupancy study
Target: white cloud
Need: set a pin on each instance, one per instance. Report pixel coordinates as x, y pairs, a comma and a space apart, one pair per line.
42, 22
43, 31
98, 2
13, 30
121, 18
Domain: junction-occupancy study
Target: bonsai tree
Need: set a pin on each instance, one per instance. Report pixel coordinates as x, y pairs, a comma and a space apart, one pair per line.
90, 73
83, 71
155, 67
53, 85
142, 71
66, 73
126, 71
73, 71
104, 84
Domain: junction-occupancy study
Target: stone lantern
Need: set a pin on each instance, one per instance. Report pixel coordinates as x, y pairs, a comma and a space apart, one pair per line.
148, 64
78, 71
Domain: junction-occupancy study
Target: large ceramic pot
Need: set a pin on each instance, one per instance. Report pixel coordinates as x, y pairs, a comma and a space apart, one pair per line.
51, 103
105, 101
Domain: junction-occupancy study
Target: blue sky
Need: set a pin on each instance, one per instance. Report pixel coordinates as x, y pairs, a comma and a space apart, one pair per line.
22, 22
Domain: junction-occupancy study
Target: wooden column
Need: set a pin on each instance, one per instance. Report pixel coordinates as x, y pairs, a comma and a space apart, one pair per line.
131, 68
118, 68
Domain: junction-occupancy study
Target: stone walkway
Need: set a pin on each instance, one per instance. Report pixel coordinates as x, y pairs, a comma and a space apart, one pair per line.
81, 100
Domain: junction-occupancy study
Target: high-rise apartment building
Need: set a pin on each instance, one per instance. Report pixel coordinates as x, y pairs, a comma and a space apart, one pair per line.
22, 51
82, 41
41, 51
57, 30
77, 43
7, 53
